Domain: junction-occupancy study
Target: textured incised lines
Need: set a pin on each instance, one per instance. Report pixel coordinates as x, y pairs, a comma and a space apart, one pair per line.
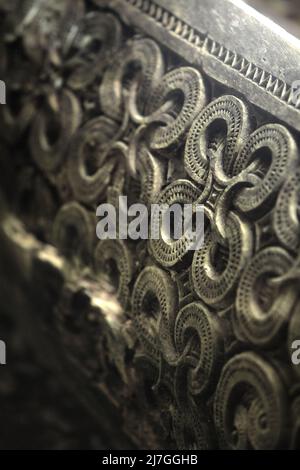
73, 232
169, 21
236, 173
262, 309
169, 253
141, 56
286, 216
114, 260
216, 267
294, 335
295, 413
260, 160
152, 172
250, 404
151, 133
92, 159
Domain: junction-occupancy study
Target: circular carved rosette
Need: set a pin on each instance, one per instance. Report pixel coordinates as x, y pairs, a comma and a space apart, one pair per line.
250, 409
263, 308
185, 90
169, 249
217, 267
98, 37
73, 232
154, 308
215, 138
199, 346
138, 64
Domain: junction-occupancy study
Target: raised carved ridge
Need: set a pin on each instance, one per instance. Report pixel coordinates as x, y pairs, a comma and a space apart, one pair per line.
265, 80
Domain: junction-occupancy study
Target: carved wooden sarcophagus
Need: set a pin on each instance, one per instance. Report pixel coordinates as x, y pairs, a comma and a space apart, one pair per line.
164, 102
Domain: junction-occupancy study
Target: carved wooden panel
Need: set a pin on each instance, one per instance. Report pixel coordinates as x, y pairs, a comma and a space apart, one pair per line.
143, 98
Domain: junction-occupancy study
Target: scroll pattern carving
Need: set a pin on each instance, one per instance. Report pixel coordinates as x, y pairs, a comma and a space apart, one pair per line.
117, 115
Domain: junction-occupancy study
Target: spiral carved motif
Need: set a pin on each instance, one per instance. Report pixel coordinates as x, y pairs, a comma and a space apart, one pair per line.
99, 110
52, 130
196, 325
98, 36
189, 85
272, 152
260, 309
216, 268
169, 252
286, 222
73, 231
250, 404
113, 258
